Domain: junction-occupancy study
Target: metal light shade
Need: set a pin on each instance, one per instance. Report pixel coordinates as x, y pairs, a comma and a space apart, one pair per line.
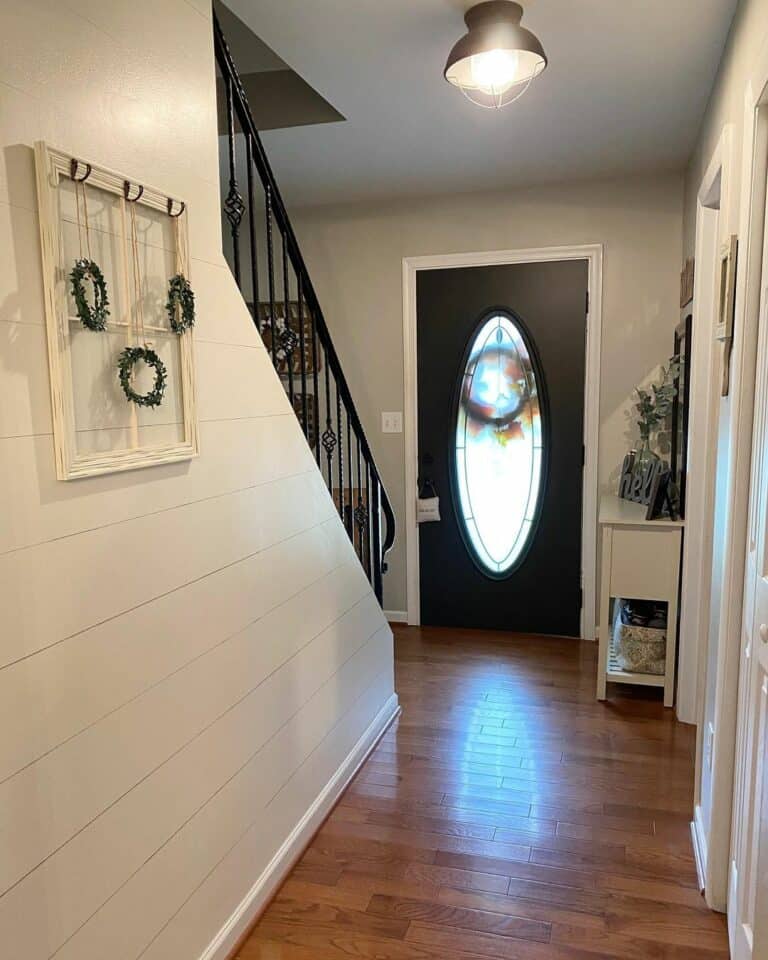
497, 59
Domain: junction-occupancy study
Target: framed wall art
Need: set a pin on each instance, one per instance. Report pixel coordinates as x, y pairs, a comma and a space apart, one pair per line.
119, 316
726, 290
686, 282
726, 308
294, 322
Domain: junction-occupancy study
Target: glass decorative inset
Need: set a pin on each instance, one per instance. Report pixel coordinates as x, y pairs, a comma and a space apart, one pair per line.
499, 446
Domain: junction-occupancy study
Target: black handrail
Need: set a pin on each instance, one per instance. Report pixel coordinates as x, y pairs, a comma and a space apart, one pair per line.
361, 514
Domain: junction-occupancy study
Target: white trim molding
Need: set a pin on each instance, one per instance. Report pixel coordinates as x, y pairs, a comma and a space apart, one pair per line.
720, 844
714, 223
256, 900
735, 772
699, 843
593, 254
396, 616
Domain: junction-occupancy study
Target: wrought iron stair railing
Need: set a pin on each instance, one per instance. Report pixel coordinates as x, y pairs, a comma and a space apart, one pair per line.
269, 268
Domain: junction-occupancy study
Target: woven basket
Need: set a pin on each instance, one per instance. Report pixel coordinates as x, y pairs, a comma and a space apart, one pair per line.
639, 649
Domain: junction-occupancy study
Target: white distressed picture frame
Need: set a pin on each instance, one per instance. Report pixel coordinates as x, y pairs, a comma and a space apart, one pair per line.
726, 290
52, 167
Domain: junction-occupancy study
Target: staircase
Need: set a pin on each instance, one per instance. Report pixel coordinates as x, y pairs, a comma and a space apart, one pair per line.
262, 251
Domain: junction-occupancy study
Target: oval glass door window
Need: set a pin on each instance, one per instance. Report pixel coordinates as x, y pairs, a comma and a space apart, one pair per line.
499, 450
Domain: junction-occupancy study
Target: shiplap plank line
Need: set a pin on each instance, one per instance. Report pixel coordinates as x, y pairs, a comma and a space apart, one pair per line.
52, 592
251, 811
41, 698
187, 933
238, 454
233, 381
95, 769
119, 841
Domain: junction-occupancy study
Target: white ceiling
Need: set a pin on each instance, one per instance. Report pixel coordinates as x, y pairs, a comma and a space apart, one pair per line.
625, 92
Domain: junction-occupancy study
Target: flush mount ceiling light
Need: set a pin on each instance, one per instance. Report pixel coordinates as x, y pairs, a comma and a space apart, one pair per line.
497, 59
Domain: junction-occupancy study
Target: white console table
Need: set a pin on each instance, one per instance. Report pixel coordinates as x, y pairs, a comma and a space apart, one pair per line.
641, 561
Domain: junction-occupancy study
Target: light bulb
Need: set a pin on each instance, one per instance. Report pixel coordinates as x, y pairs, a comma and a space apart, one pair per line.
495, 71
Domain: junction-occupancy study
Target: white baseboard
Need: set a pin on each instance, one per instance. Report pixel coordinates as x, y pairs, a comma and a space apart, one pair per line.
733, 912
699, 839
257, 898
396, 616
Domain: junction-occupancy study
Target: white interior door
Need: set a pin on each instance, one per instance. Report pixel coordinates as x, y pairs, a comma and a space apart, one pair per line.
748, 899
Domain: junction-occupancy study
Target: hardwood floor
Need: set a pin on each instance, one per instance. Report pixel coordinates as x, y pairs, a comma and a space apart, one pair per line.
507, 814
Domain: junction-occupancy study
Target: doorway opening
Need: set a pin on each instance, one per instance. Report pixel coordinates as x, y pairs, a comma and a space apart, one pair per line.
494, 348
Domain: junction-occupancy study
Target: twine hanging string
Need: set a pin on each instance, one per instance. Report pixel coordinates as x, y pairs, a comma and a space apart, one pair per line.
81, 184
138, 308
93, 311
180, 305
132, 355
179, 237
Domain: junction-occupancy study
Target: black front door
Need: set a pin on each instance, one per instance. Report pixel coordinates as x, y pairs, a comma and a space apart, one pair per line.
501, 406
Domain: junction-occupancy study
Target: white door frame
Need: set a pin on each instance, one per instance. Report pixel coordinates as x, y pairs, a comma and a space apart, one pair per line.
593, 255
754, 221
714, 224
718, 841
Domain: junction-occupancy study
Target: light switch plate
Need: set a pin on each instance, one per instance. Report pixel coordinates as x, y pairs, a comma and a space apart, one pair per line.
392, 422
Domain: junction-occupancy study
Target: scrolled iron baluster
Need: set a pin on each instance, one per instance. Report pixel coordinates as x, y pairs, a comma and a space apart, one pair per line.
340, 457
234, 207
368, 568
349, 520
271, 274
303, 352
329, 437
359, 512
252, 231
289, 338
315, 383
375, 514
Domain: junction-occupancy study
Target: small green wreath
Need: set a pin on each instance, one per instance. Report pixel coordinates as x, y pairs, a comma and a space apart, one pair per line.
180, 305
125, 364
94, 318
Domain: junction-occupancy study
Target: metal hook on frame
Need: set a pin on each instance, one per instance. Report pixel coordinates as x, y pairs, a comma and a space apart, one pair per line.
127, 191
74, 165
182, 207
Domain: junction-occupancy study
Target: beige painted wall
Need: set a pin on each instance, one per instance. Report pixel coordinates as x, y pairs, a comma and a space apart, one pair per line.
188, 653
726, 105
355, 258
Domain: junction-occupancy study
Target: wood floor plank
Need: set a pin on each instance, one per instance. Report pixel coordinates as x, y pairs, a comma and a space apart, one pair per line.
504, 805
637, 864
446, 825
547, 911
562, 875
631, 948
276, 940
351, 897
485, 921
456, 943
507, 814
306, 913
652, 888
366, 885
457, 877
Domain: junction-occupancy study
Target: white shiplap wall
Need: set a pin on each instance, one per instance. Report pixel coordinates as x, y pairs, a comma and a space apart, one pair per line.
174, 721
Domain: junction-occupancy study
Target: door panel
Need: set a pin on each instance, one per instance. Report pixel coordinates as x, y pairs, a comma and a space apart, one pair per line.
501, 378
748, 904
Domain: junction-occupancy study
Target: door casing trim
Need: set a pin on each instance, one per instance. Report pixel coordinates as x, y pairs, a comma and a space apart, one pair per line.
733, 672
592, 253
